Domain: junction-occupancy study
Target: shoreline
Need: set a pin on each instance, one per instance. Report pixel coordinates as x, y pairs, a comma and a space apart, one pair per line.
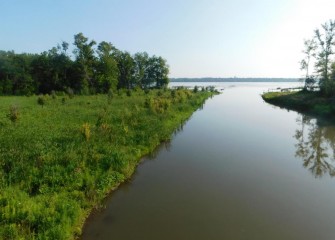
81, 158
311, 103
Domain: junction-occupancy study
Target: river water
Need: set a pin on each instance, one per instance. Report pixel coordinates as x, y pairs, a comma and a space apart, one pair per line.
239, 169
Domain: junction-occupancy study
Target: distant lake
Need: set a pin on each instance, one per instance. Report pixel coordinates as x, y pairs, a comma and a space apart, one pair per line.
238, 169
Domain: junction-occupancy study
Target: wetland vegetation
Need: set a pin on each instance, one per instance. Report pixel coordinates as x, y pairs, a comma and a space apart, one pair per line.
318, 50
76, 128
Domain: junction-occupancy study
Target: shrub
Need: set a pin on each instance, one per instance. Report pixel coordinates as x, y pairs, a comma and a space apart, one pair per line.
195, 89
41, 100
14, 113
157, 105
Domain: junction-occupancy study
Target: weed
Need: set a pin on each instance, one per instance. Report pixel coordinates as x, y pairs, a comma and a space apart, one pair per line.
86, 131
14, 113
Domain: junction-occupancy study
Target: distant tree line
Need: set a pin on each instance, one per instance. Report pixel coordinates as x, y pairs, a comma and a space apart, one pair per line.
234, 79
320, 50
93, 68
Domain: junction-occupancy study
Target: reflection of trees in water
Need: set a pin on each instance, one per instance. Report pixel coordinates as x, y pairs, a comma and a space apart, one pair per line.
316, 146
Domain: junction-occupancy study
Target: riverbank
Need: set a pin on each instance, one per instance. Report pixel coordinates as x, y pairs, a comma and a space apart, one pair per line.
302, 101
60, 156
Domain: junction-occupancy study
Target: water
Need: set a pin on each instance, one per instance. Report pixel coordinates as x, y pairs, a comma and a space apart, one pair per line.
239, 169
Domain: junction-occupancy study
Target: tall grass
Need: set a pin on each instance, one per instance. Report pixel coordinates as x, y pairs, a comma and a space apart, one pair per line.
59, 161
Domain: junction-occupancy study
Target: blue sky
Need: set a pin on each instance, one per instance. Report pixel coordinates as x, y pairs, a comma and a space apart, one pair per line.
199, 38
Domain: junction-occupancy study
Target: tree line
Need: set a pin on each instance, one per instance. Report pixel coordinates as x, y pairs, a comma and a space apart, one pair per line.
93, 68
320, 50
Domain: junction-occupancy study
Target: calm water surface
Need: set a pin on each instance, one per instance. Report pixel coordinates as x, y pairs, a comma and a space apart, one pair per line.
239, 169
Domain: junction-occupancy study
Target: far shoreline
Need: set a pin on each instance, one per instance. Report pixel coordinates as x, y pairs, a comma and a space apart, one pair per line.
307, 102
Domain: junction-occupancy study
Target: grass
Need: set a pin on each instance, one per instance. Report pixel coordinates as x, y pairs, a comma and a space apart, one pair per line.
303, 101
59, 159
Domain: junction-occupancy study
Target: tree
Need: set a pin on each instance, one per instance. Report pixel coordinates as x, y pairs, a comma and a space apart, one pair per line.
50, 70
6, 71
85, 61
158, 71
125, 65
309, 51
325, 39
107, 68
141, 69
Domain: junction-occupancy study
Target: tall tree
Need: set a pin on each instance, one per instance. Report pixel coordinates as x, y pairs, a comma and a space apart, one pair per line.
325, 39
141, 69
50, 70
158, 71
85, 60
310, 47
125, 64
107, 68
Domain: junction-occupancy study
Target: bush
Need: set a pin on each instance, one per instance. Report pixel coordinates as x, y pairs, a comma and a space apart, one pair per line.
63, 100
195, 89
14, 113
157, 105
41, 100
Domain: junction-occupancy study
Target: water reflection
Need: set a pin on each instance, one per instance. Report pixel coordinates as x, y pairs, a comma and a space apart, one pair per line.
316, 146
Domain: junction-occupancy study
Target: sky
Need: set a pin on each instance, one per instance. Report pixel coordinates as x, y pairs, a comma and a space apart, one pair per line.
198, 38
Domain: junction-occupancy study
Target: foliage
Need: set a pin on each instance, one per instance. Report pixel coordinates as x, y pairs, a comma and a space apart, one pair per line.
303, 101
14, 113
54, 169
321, 48
41, 100
91, 70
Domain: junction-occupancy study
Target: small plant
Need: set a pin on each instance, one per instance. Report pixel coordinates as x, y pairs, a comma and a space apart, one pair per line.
14, 113
147, 90
41, 100
159, 94
86, 131
129, 93
63, 100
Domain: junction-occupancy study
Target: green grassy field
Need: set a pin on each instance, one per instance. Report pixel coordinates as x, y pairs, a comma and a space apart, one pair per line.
303, 101
60, 158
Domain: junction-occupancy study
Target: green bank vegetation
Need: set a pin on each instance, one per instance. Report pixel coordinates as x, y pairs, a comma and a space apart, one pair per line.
318, 94
303, 101
76, 128
61, 155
